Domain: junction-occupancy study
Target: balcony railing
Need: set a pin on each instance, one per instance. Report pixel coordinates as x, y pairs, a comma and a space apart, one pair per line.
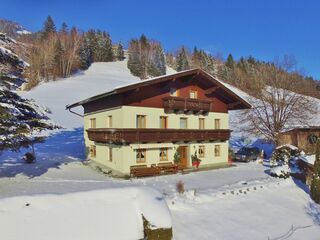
186, 104
156, 135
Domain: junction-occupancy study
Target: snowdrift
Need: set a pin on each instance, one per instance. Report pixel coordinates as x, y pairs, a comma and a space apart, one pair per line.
100, 214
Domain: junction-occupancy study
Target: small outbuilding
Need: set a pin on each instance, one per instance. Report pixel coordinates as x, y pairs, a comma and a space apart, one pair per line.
304, 138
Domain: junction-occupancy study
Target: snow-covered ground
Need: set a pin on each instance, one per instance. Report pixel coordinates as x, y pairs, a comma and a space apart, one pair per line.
84, 215
59, 196
240, 202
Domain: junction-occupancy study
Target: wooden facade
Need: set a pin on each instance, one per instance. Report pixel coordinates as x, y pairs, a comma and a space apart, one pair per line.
151, 93
148, 135
172, 104
303, 138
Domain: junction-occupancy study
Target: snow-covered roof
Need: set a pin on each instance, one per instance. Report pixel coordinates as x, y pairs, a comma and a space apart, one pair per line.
309, 159
154, 80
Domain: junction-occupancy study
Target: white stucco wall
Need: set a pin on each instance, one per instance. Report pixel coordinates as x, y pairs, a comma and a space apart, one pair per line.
125, 156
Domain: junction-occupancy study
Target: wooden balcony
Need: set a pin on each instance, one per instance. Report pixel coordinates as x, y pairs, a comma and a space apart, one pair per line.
186, 104
155, 135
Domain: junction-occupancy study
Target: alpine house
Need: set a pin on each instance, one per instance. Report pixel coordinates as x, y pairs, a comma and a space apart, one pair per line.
171, 120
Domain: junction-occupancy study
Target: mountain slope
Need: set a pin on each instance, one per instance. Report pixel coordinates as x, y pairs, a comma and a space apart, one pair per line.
100, 77
11, 28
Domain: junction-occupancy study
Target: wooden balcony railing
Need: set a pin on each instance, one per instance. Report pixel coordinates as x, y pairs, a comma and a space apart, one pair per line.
147, 135
186, 104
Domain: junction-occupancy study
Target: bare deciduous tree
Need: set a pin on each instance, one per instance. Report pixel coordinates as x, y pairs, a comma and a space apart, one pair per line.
276, 104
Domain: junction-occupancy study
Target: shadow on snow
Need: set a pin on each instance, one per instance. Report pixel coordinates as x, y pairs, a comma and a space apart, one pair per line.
60, 148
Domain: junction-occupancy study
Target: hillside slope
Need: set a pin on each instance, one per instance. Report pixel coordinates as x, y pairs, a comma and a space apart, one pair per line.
99, 78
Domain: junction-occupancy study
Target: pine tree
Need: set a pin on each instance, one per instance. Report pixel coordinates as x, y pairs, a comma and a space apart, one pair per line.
92, 43
64, 28
242, 64
146, 58
108, 48
144, 54
99, 49
134, 61
170, 60
20, 121
85, 54
182, 62
58, 58
157, 64
119, 53
195, 58
315, 184
230, 62
49, 27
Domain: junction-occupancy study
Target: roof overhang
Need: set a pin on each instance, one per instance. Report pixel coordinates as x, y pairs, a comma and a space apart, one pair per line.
193, 72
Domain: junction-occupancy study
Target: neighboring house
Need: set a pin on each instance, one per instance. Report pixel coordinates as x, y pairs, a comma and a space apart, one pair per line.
304, 138
147, 122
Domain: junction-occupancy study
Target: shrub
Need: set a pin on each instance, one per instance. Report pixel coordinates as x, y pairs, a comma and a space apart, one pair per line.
29, 157
280, 171
315, 184
180, 187
315, 190
176, 157
282, 155
194, 158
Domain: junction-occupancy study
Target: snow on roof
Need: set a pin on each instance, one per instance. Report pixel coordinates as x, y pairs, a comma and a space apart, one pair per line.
292, 147
308, 159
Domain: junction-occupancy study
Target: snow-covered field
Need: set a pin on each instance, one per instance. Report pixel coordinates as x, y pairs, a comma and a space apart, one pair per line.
240, 202
99, 78
84, 215
60, 198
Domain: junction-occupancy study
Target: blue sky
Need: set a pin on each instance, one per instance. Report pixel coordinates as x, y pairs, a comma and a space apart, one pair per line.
263, 29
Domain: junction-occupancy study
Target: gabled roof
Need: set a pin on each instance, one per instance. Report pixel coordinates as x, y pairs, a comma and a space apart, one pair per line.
164, 78
304, 129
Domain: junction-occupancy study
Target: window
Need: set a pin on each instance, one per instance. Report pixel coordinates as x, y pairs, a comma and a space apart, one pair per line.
163, 122
163, 156
201, 123
217, 151
109, 121
201, 151
183, 123
93, 151
110, 154
174, 92
141, 121
92, 123
141, 156
193, 94
217, 124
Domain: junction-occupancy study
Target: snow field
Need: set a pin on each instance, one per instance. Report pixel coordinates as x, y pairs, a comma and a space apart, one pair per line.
114, 213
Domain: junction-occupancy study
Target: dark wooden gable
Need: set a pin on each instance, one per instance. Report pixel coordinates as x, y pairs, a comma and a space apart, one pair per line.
150, 93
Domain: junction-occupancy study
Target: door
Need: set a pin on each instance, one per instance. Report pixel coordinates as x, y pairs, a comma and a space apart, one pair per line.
182, 150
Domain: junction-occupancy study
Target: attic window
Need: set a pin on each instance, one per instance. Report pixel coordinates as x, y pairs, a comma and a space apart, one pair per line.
173, 92
193, 94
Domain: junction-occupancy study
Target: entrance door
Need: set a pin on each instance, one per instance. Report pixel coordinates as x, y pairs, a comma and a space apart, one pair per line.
182, 150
